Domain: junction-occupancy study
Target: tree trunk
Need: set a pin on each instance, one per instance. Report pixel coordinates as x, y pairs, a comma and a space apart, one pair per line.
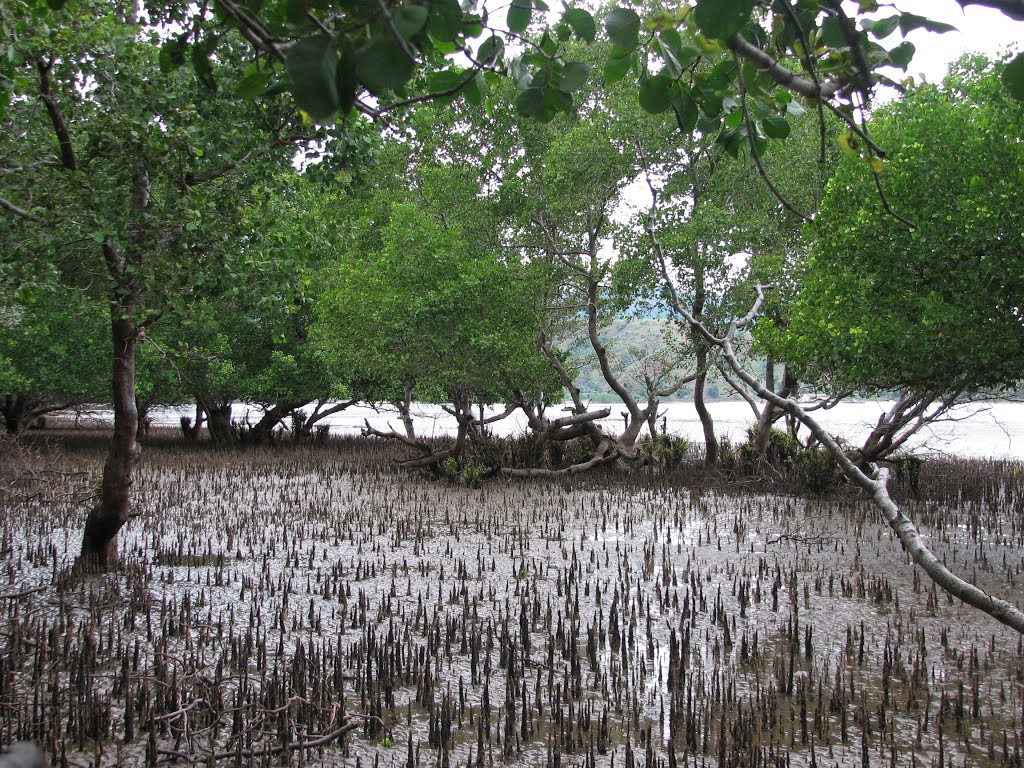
218, 421
652, 423
263, 432
405, 408
14, 413
142, 406
99, 542
764, 425
706, 420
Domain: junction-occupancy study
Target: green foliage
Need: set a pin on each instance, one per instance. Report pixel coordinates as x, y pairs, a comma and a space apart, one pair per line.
336, 53
812, 469
934, 308
669, 450
144, 216
53, 346
468, 472
421, 296
721, 18
697, 60
1013, 77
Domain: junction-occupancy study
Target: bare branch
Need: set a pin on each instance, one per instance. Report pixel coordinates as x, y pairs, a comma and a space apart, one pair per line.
22, 593
60, 127
252, 30
752, 138
7, 205
192, 180
574, 469
470, 76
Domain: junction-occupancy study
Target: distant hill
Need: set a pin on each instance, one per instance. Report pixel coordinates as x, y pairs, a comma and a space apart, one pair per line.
635, 346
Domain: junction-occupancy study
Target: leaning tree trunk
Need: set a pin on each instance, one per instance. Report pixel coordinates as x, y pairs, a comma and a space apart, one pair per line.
99, 543
263, 431
707, 421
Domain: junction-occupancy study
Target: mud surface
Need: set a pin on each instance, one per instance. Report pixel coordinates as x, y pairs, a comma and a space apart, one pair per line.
265, 596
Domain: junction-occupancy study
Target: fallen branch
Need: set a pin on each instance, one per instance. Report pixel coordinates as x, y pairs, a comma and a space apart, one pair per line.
574, 469
22, 593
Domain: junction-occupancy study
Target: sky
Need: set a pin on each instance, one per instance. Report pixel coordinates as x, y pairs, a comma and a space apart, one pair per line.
979, 29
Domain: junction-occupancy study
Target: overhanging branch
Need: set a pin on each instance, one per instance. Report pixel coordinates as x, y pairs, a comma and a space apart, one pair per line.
784, 77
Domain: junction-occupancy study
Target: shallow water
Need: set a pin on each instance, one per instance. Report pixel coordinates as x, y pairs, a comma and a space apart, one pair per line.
990, 430
523, 623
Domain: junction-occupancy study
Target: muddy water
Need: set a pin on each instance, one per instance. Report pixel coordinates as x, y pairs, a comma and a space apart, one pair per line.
521, 624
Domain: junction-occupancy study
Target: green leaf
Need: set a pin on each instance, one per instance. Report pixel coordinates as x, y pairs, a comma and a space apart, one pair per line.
910, 21
252, 85
655, 94
346, 79
445, 20
709, 125
56, 5
410, 19
776, 127
519, 13
582, 23
296, 10
623, 28
444, 80
474, 91
574, 76
204, 69
881, 28
686, 111
832, 33
616, 68
312, 66
472, 26
720, 18
383, 65
172, 55
1013, 77
491, 49
530, 102
901, 55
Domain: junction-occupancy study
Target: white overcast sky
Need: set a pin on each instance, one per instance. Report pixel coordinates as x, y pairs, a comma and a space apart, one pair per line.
980, 29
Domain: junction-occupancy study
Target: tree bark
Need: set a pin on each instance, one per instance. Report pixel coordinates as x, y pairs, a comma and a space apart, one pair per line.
770, 412
99, 542
707, 422
218, 421
263, 431
14, 413
405, 408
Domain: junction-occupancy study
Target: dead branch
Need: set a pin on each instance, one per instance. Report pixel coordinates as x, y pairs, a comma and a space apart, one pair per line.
7, 205
574, 469
22, 593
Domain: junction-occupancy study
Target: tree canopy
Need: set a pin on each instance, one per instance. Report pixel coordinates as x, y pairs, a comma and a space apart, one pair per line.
937, 306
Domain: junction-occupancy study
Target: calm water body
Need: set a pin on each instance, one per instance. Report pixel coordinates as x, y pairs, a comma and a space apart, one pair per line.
991, 430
